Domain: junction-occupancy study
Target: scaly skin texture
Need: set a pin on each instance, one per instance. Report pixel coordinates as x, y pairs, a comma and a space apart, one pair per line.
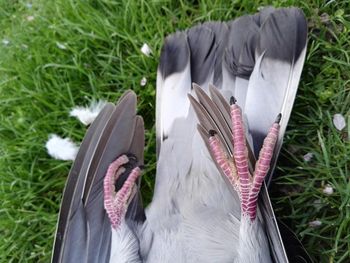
116, 203
237, 170
240, 155
261, 168
226, 165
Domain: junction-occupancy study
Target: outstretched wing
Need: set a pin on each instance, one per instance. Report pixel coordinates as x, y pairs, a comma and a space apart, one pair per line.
258, 59
279, 59
84, 231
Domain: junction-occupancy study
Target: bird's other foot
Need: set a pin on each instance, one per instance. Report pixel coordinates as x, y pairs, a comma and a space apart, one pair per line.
236, 167
116, 202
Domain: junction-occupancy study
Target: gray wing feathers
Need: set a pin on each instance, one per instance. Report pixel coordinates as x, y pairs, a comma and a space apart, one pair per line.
271, 227
76, 179
256, 58
207, 44
87, 233
135, 211
280, 54
173, 84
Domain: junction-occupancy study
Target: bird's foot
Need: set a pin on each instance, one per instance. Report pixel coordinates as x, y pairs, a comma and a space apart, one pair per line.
116, 203
236, 167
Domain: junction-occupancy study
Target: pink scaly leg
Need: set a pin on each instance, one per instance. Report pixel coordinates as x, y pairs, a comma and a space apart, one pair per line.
262, 166
240, 153
116, 203
237, 170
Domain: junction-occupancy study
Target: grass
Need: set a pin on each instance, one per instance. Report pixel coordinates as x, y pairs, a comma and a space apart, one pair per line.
58, 54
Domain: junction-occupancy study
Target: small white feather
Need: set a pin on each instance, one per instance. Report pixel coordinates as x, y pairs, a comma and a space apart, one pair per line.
6, 41
143, 82
307, 157
339, 121
30, 18
61, 45
61, 149
328, 190
145, 49
315, 224
87, 115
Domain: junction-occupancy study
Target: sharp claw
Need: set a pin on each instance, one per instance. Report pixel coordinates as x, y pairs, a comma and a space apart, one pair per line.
212, 133
278, 118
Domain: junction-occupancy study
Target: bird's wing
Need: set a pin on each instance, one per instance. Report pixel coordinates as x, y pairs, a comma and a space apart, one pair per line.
279, 59
250, 57
84, 231
207, 110
278, 74
265, 58
194, 55
256, 58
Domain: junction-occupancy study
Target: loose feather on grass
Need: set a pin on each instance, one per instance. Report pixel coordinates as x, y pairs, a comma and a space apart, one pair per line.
61, 148
339, 121
86, 115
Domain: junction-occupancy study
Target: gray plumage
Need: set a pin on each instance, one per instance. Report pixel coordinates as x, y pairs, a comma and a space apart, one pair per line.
84, 231
254, 45
194, 215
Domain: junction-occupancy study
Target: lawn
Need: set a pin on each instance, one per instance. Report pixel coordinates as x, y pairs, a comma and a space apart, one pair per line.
55, 55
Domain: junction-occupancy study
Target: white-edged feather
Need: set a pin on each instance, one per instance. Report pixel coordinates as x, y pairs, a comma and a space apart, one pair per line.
61, 148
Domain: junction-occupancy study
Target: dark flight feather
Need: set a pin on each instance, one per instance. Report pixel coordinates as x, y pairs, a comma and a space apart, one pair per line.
87, 230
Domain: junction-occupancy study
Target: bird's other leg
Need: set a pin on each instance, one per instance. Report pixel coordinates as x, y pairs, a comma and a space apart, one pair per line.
240, 153
236, 169
116, 203
250, 186
262, 166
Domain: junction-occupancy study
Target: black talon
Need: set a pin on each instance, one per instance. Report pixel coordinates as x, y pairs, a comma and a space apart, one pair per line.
132, 160
131, 157
278, 119
212, 132
128, 168
232, 100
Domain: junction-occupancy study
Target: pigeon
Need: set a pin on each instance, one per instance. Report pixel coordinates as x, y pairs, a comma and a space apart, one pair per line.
225, 91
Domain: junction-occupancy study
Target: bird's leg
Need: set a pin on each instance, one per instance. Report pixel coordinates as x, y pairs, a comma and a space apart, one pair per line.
240, 153
116, 203
250, 185
262, 166
236, 170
